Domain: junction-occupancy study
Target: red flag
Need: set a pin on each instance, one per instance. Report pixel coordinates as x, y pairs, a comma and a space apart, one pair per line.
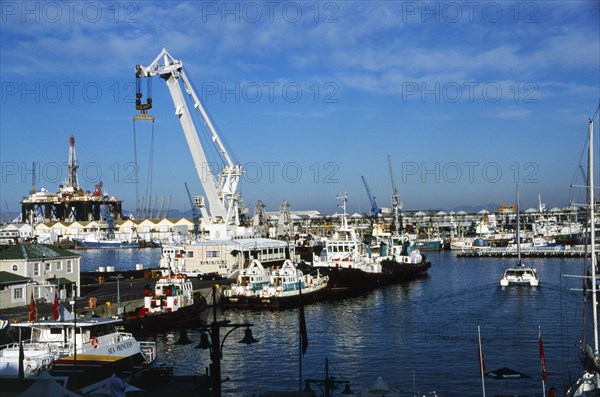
480, 354
303, 333
55, 307
542, 358
31, 308
481, 360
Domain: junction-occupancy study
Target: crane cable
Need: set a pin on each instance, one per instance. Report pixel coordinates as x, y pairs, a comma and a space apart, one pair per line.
149, 177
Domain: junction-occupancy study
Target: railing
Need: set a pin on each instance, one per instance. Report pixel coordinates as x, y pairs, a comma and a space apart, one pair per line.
148, 350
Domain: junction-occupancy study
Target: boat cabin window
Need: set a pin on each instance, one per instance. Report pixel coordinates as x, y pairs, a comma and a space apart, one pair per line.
100, 330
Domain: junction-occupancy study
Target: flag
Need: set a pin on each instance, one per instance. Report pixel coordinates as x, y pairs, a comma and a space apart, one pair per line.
302, 321
31, 308
542, 357
65, 314
55, 311
481, 358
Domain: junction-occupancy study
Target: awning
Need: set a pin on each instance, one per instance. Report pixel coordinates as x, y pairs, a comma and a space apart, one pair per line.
60, 281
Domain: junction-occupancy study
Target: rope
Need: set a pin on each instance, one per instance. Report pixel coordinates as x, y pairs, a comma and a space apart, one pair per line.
137, 183
146, 205
149, 176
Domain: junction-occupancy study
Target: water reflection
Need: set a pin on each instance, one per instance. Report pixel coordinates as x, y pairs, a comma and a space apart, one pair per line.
427, 328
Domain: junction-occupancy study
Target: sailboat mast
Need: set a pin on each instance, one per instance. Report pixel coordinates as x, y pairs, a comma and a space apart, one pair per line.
518, 227
593, 233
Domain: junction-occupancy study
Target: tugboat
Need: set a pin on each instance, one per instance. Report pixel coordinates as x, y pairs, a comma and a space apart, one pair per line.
283, 291
348, 262
172, 303
249, 283
403, 261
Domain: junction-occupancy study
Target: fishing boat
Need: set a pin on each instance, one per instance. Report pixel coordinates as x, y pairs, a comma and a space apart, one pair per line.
429, 244
520, 274
102, 242
588, 384
286, 285
172, 303
83, 350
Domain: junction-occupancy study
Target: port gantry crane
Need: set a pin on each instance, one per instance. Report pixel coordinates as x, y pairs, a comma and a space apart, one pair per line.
375, 210
223, 214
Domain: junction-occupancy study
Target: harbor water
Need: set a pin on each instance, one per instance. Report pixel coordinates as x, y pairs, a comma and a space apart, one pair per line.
419, 336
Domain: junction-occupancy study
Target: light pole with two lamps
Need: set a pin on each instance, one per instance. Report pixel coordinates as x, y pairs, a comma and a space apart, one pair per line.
216, 344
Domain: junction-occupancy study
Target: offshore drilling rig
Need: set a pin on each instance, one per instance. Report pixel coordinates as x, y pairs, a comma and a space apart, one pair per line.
70, 203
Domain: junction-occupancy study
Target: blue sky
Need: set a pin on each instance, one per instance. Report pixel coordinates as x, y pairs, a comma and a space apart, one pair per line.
467, 98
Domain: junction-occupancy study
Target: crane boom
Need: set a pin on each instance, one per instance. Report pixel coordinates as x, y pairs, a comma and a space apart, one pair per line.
375, 210
221, 192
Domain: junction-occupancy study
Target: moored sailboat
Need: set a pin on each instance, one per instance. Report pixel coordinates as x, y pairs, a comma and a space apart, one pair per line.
588, 384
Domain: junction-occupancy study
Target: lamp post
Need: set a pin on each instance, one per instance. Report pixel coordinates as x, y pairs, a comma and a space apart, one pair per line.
216, 344
118, 277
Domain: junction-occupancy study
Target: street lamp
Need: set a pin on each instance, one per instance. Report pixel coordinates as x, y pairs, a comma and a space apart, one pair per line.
216, 344
118, 277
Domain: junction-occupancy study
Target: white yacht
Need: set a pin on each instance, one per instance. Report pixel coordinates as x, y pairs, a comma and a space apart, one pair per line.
520, 274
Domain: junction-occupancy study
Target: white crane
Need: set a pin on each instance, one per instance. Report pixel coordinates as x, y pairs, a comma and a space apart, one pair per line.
222, 215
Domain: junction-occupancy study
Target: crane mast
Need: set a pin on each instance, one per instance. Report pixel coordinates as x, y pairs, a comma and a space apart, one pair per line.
375, 210
222, 192
396, 204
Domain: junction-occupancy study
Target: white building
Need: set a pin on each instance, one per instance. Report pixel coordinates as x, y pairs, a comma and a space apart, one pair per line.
38, 268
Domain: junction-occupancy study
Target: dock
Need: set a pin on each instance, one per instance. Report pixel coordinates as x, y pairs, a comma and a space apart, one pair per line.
563, 251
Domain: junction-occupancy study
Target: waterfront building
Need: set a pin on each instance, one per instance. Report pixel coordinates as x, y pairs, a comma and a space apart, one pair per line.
38, 268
